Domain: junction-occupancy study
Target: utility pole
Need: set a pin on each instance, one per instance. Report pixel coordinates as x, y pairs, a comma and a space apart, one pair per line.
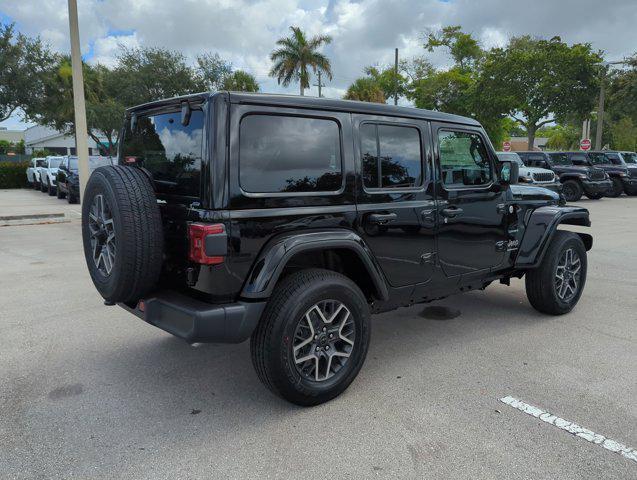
319, 84
81, 133
396, 77
600, 108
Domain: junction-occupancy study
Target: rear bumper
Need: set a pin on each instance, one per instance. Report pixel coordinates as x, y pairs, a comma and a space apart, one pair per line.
594, 187
197, 321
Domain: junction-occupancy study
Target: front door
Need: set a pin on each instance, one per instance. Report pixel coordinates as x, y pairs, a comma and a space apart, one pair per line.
472, 232
395, 196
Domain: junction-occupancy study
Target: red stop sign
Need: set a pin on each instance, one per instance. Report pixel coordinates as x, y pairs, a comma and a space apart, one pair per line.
585, 144
506, 146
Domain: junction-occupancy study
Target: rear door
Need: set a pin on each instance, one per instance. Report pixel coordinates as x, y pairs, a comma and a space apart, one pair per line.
395, 197
472, 230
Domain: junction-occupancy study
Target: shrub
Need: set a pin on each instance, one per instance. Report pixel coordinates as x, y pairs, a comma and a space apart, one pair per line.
13, 174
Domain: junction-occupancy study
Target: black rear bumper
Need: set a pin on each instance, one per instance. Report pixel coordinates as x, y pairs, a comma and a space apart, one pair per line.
197, 321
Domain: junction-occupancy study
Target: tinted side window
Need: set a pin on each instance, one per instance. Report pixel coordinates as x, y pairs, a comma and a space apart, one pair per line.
169, 150
391, 156
289, 154
579, 157
463, 159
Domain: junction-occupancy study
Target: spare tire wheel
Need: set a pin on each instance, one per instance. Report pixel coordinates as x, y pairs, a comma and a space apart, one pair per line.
122, 233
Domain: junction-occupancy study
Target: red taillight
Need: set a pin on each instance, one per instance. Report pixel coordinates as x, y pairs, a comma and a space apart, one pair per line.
197, 233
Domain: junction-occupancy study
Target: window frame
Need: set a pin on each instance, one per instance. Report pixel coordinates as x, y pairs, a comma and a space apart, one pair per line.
359, 161
279, 113
168, 109
456, 187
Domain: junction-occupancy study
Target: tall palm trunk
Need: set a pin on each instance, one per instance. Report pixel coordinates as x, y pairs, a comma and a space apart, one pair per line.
301, 88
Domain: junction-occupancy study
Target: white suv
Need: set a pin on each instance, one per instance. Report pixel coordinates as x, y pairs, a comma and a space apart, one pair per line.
32, 170
48, 172
539, 177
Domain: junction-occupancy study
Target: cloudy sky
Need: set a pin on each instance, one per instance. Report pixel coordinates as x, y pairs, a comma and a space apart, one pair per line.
365, 32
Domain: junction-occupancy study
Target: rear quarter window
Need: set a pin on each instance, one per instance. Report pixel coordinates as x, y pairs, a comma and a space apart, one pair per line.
286, 154
170, 151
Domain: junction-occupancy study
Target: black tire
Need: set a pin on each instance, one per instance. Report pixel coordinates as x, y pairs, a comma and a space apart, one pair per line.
617, 189
52, 190
71, 198
60, 194
43, 187
572, 190
36, 185
273, 341
594, 196
541, 285
136, 249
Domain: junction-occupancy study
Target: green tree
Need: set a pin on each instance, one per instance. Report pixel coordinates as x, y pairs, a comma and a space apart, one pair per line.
24, 65
561, 137
624, 134
240, 81
5, 146
365, 89
213, 69
390, 81
540, 81
464, 49
295, 57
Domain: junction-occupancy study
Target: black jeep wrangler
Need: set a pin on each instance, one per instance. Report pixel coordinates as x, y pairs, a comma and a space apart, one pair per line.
289, 220
577, 179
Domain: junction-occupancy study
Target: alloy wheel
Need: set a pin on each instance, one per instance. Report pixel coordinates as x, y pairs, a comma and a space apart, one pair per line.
102, 235
568, 275
323, 340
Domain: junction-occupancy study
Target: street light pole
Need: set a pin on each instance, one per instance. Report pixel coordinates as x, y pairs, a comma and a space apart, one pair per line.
81, 132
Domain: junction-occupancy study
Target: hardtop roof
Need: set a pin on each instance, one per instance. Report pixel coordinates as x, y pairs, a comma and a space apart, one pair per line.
296, 101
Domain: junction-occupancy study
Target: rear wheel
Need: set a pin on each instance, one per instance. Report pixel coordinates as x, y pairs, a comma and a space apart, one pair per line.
556, 285
617, 189
43, 187
52, 190
122, 233
313, 337
60, 193
572, 190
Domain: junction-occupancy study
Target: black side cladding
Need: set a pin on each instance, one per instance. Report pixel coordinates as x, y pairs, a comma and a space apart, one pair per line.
139, 237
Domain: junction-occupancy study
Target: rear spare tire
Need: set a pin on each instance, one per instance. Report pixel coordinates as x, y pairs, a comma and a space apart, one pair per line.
122, 233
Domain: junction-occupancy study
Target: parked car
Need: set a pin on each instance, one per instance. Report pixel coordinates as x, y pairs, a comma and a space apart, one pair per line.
37, 173
68, 181
576, 179
627, 160
48, 173
34, 163
275, 223
618, 172
538, 177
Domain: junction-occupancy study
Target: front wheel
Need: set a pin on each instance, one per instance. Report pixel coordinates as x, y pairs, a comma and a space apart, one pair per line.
313, 337
51, 190
556, 285
617, 189
572, 190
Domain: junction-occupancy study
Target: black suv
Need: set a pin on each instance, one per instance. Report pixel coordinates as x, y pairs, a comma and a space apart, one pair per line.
289, 220
576, 179
624, 166
616, 170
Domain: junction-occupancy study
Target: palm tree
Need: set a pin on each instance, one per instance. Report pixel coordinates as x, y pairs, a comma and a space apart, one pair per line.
365, 89
296, 55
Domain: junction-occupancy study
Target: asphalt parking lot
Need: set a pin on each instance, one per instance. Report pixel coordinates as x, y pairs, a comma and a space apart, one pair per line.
90, 391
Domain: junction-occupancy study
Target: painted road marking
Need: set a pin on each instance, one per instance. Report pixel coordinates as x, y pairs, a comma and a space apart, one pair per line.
572, 428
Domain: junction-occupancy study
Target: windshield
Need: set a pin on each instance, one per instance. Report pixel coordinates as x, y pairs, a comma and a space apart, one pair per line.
630, 157
40, 163
597, 158
510, 157
55, 162
560, 159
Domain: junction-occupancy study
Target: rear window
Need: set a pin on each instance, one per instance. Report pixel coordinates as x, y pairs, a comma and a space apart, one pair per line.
284, 154
560, 159
170, 151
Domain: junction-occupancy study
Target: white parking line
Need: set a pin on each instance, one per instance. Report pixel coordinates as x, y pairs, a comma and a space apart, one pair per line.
572, 428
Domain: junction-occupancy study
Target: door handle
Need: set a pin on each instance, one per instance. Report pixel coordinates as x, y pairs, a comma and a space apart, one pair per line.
428, 215
451, 212
382, 218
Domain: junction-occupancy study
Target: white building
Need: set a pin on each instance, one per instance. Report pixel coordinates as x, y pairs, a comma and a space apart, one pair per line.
45, 138
11, 136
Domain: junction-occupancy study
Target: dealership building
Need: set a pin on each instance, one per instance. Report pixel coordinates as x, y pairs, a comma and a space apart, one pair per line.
40, 137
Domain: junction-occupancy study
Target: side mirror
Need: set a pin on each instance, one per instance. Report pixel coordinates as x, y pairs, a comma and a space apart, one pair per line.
509, 172
186, 111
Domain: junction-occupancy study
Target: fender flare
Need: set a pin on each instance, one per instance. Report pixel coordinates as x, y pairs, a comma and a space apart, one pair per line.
540, 229
570, 176
271, 261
